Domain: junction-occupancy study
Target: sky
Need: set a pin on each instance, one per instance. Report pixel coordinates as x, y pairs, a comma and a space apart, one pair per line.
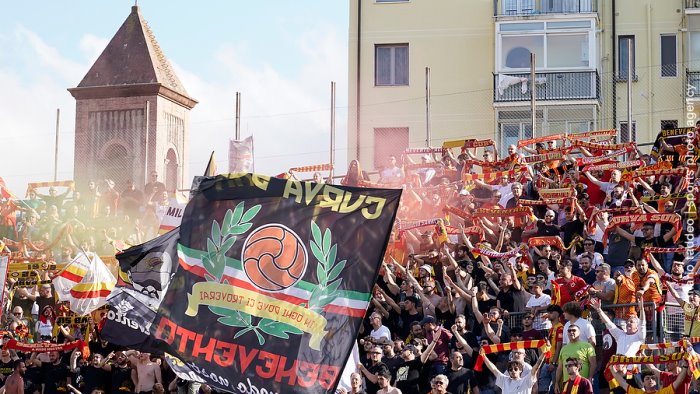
281, 55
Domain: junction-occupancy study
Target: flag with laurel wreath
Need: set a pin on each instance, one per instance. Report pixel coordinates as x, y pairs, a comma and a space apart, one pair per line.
274, 279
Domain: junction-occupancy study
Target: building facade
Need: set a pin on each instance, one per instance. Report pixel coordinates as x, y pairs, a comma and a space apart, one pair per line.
479, 52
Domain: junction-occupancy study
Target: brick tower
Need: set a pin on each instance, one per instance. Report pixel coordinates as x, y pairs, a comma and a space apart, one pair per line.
132, 113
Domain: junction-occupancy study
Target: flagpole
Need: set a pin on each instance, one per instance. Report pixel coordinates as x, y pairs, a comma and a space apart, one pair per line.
238, 116
332, 158
55, 152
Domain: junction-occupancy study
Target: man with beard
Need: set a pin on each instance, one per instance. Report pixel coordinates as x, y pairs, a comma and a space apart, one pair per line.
372, 372
648, 284
7, 364
408, 373
463, 340
94, 376
56, 375
546, 227
585, 270
460, 378
384, 382
120, 373
14, 384
391, 359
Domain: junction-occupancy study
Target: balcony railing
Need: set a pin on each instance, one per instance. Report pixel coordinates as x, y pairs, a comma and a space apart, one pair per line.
692, 3
577, 85
537, 7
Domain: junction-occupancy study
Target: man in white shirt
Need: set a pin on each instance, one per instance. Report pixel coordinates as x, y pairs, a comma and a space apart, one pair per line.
378, 329
516, 381
537, 304
572, 314
628, 341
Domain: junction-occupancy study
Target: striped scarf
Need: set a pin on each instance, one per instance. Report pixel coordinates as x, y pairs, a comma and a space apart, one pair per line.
530, 141
592, 134
671, 218
421, 151
466, 144
574, 385
516, 212
583, 161
611, 166
655, 360
502, 347
312, 168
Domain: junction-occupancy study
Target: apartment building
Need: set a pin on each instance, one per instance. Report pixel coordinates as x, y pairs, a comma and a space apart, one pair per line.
478, 52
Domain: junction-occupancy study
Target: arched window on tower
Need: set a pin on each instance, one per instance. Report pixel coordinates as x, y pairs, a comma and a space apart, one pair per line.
171, 171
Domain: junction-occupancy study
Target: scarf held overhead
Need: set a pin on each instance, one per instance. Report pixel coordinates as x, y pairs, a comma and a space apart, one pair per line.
671, 218
502, 347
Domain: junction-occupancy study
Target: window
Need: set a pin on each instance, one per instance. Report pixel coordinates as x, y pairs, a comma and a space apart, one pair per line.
518, 7
668, 56
511, 133
389, 141
624, 135
391, 65
557, 45
623, 43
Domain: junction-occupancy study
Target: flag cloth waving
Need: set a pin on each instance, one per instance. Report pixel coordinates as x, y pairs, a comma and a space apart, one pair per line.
92, 291
274, 279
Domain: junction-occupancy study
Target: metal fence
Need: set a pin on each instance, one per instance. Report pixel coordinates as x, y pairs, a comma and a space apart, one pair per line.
670, 322
535, 7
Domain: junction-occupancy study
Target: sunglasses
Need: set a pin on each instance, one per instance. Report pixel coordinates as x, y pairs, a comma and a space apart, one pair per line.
439, 382
587, 244
513, 369
376, 352
572, 330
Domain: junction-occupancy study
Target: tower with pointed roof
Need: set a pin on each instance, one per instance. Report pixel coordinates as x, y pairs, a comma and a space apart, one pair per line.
132, 113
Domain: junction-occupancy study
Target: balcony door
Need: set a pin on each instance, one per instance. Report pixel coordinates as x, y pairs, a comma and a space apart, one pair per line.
518, 7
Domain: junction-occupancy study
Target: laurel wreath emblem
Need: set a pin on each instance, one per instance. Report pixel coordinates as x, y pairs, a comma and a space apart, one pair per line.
226, 234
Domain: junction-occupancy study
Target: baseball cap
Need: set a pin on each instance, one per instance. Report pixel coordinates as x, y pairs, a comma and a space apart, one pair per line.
384, 341
629, 262
427, 267
426, 320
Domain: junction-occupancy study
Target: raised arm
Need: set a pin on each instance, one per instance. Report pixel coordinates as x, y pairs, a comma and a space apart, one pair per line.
489, 364
625, 234
655, 264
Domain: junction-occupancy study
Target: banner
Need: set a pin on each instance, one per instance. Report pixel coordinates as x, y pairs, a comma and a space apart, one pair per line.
672, 136
274, 279
172, 216
72, 274
241, 158
671, 218
92, 290
4, 263
43, 347
584, 161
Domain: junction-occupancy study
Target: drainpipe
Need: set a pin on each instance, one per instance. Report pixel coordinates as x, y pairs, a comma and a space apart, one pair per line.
357, 81
614, 65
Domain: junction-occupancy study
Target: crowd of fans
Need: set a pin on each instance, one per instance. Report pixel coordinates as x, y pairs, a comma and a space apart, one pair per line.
588, 293
459, 276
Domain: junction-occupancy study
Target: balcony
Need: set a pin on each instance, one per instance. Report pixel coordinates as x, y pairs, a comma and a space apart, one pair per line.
690, 4
549, 86
544, 7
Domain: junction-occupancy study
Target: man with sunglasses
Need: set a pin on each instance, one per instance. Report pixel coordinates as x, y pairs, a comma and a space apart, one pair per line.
577, 349
576, 383
589, 249
515, 381
439, 385
374, 370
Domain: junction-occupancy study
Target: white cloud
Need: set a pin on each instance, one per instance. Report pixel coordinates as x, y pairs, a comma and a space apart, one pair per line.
288, 115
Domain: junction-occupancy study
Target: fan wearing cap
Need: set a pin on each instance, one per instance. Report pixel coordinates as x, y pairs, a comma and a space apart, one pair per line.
391, 359
625, 293
441, 337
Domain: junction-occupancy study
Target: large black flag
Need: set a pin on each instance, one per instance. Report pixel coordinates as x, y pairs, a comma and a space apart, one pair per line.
145, 272
274, 279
